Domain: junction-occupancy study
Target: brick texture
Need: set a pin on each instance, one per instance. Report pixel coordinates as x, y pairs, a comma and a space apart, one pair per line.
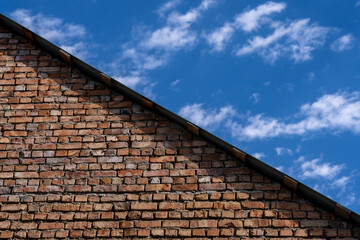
79, 161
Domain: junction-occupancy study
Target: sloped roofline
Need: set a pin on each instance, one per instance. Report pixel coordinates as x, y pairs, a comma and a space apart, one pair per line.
254, 163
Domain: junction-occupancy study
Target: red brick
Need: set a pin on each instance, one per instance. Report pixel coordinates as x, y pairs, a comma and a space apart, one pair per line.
203, 223
6, 234
148, 224
189, 172
129, 173
157, 173
51, 225
78, 188
214, 186
240, 186
185, 187
13, 207
131, 188
230, 223
171, 206
26, 175
176, 223
20, 120
106, 224
314, 223
285, 223
6, 174
253, 205
288, 205
157, 187
15, 133
65, 132
143, 144
5, 224
143, 206
163, 159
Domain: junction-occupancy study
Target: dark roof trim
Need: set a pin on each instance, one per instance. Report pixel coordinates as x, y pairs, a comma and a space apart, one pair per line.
251, 161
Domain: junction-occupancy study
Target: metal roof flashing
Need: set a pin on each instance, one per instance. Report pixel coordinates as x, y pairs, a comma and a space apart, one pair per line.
254, 163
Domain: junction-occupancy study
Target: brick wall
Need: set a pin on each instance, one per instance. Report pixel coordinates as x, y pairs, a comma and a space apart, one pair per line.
78, 161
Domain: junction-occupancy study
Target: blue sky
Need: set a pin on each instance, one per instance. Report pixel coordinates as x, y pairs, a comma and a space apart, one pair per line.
278, 79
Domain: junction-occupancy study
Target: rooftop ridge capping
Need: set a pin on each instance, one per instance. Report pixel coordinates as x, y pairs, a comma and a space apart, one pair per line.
274, 174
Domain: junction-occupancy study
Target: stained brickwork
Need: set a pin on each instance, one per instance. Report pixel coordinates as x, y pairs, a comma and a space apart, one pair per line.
79, 161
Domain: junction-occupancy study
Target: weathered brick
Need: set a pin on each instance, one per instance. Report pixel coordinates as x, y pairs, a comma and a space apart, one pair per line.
24, 225
80, 161
13, 207
176, 223
106, 224
203, 223
171, 206
26, 175
51, 225
143, 206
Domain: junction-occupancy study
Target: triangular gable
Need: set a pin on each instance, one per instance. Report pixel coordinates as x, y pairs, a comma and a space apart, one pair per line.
259, 166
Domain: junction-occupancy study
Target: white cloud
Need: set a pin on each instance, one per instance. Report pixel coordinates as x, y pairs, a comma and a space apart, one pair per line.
337, 112
315, 169
143, 61
220, 37
247, 21
259, 155
167, 6
69, 36
310, 77
130, 81
296, 40
170, 38
342, 182
80, 50
343, 43
282, 151
329, 178
176, 34
149, 50
357, 4
280, 168
206, 118
174, 85
251, 20
255, 97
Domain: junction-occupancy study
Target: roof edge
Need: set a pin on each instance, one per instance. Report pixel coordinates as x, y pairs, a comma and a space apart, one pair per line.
274, 174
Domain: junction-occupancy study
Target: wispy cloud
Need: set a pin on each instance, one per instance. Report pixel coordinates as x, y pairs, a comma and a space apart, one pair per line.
328, 177
316, 169
206, 118
309, 77
247, 21
336, 112
343, 43
255, 97
69, 36
152, 49
259, 155
167, 6
176, 34
296, 40
251, 20
174, 85
283, 151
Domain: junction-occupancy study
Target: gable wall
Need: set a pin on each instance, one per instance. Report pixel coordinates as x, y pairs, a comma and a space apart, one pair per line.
78, 161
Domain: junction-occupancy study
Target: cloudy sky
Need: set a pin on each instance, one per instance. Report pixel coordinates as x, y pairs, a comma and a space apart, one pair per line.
278, 79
